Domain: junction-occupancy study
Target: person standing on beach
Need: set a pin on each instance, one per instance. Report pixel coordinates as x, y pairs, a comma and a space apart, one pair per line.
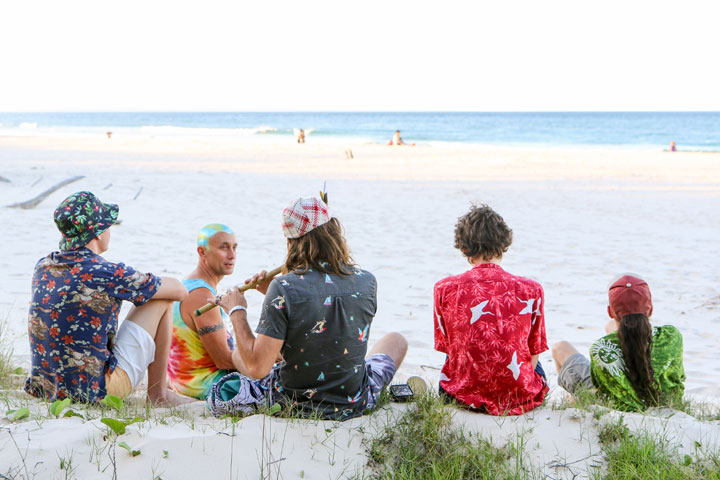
76, 347
202, 346
635, 365
318, 315
490, 323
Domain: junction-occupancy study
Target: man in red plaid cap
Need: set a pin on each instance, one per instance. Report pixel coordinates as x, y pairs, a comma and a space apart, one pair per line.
318, 316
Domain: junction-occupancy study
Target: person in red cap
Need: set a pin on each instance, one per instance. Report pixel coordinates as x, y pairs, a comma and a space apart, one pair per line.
318, 316
636, 365
490, 323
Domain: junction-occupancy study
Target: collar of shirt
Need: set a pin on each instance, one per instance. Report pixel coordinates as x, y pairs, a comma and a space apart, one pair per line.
488, 265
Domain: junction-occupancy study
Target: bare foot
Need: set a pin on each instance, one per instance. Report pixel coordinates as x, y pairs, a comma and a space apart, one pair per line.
170, 398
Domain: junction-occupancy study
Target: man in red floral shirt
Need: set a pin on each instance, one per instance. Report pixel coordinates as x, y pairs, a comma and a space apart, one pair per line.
77, 349
490, 324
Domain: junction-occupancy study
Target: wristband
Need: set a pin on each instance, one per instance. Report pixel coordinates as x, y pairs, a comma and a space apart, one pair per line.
236, 308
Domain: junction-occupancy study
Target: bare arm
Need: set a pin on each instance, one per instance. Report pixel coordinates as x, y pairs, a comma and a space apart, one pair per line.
258, 354
209, 326
534, 360
170, 289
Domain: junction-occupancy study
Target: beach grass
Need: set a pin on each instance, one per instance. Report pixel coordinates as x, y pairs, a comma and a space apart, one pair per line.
424, 444
641, 455
9, 373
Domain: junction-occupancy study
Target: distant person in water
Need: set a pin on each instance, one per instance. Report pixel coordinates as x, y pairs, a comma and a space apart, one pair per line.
301, 136
109, 134
673, 148
635, 365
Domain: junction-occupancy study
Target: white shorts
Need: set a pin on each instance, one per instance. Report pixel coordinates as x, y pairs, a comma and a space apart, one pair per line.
134, 350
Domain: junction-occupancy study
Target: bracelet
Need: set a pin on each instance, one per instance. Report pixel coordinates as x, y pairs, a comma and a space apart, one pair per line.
236, 308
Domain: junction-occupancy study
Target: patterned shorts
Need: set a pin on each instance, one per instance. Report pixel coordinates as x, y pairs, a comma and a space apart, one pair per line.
249, 393
381, 370
575, 373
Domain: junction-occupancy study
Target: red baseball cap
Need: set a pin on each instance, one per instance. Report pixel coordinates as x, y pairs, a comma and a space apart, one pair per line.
627, 295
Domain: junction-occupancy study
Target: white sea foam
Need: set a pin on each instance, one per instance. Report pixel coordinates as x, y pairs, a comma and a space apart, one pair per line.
28, 125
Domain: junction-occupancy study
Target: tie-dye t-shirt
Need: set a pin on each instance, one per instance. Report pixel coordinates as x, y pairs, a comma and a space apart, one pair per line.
490, 323
191, 369
607, 368
324, 320
76, 299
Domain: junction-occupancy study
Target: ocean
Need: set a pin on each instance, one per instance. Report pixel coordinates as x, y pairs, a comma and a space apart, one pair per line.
693, 131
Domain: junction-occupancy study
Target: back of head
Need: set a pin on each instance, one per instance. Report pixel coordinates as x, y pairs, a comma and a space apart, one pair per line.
630, 304
81, 217
315, 240
482, 233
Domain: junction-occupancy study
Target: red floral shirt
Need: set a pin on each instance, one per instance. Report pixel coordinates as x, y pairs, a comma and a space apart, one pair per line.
490, 323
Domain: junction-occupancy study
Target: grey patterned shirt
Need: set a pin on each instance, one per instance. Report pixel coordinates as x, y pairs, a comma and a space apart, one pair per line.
324, 320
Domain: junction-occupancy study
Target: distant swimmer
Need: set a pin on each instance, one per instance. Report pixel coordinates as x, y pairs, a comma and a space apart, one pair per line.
109, 134
672, 146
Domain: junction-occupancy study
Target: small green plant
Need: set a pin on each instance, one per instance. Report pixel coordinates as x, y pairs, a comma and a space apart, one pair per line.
59, 406
18, 414
613, 432
67, 466
117, 427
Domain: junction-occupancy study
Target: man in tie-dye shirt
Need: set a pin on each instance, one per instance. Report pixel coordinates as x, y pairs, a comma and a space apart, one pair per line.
490, 324
318, 315
202, 345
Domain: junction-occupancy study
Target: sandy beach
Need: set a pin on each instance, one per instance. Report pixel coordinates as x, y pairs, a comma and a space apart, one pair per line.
579, 215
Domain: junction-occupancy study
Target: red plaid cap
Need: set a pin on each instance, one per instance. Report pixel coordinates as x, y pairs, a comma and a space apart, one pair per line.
304, 215
629, 294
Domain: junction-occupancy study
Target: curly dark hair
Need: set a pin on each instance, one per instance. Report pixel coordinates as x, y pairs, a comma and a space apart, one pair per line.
482, 233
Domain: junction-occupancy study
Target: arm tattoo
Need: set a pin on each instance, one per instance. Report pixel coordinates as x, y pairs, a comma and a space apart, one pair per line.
210, 329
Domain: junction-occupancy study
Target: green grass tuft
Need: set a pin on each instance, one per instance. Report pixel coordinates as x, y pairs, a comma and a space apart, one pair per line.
423, 444
644, 456
7, 370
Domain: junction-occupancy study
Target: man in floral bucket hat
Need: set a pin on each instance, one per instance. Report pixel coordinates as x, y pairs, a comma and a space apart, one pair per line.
317, 314
77, 349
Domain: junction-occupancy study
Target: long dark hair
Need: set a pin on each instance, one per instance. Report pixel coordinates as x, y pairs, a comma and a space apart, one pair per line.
323, 248
635, 334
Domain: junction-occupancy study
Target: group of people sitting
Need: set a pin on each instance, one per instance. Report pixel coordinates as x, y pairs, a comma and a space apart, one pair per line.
310, 348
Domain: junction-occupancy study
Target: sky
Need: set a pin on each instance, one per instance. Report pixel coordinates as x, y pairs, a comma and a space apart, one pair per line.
504, 55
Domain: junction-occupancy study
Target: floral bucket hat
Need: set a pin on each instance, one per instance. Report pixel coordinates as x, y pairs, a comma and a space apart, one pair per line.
82, 217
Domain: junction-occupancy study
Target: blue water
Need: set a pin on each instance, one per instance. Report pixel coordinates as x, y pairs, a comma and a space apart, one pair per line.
698, 131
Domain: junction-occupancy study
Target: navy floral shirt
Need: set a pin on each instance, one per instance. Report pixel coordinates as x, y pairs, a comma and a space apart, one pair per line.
73, 321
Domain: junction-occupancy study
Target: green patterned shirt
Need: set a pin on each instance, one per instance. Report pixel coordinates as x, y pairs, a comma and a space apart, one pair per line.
607, 368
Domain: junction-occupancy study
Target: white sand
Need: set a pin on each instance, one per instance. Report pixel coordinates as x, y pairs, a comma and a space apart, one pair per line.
579, 216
